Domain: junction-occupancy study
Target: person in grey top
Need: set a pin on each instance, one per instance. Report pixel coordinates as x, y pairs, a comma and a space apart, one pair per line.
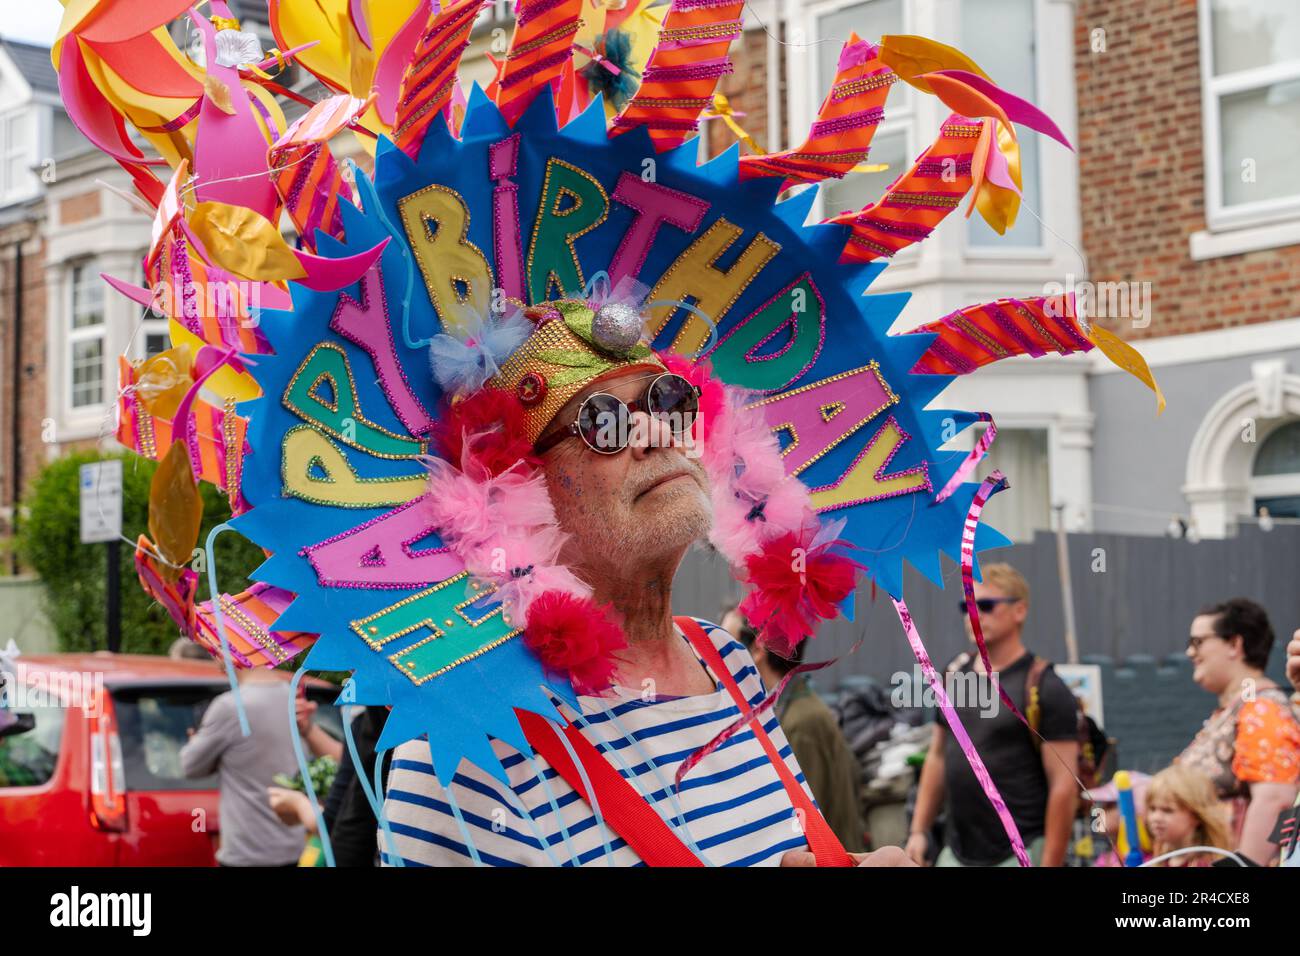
251, 833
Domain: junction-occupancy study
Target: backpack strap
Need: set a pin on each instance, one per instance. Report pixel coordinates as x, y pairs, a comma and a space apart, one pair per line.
626, 812
1033, 697
825, 846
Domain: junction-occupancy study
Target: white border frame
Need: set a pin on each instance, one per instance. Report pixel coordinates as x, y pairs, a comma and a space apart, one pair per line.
72, 336
1002, 250
805, 94
1218, 217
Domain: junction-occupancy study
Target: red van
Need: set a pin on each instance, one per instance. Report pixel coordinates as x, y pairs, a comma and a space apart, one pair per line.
93, 778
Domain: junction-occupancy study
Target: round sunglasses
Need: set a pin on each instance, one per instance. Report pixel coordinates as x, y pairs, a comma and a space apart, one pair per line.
604, 421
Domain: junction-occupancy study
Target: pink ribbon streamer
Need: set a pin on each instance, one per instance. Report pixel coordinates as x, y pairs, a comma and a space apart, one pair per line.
958, 731
599, 59
1018, 110
743, 721
972, 459
991, 485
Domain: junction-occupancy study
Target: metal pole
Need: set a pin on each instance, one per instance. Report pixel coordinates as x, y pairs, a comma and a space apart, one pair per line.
16, 431
114, 618
1067, 585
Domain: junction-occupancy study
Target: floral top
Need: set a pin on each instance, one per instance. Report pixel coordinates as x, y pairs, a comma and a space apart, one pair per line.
1249, 741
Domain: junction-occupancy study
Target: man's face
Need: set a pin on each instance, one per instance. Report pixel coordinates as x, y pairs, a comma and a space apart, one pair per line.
1003, 620
646, 501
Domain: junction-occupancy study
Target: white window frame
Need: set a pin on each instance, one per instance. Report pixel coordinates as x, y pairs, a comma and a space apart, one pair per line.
146, 323
1273, 486
73, 336
1003, 250
13, 148
1219, 217
900, 106
496, 13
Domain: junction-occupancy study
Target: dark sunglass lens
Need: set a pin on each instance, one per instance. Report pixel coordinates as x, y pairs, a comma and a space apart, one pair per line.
674, 398
602, 422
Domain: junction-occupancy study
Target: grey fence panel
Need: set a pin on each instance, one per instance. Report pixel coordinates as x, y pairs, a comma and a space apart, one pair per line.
1134, 597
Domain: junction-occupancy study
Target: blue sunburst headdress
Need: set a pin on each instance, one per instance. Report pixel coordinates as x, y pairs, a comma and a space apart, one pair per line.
315, 384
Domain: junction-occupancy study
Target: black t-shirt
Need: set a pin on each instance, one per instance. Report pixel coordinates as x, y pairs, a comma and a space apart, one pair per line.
973, 829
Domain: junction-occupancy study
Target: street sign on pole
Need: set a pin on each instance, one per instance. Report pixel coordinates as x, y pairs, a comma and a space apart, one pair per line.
101, 521
101, 501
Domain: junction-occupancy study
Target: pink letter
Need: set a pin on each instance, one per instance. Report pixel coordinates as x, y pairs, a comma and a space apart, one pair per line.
655, 205
819, 416
378, 553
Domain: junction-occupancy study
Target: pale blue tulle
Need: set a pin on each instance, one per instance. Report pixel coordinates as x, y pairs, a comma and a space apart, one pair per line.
464, 362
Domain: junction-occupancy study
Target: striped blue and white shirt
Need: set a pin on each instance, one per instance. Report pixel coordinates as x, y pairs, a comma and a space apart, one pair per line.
732, 809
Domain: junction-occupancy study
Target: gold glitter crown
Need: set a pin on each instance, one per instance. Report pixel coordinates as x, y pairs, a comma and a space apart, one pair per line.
560, 359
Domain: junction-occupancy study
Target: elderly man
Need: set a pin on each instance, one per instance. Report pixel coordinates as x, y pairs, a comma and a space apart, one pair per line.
631, 517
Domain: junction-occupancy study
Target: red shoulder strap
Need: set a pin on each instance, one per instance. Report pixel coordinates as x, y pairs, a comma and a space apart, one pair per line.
623, 808
825, 846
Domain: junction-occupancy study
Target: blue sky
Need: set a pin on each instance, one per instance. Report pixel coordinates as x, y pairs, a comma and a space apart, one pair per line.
34, 21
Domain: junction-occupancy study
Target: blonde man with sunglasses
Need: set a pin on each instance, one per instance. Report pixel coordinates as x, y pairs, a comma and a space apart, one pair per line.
1035, 778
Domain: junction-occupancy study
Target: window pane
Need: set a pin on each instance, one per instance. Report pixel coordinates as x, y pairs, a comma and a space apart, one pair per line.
1253, 33
18, 151
87, 372
153, 724
870, 21
155, 342
1260, 132
1287, 506
87, 298
28, 759
999, 35
857, 189
1021, 454
1280, 452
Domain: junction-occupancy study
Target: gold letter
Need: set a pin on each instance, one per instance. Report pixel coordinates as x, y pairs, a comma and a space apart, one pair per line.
714, 290
454, 269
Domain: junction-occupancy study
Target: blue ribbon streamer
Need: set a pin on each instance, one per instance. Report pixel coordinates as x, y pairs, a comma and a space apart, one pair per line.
215, 596
699, 314
410, 271
680, 818
303, 769
591, 794
376, 806
559, 817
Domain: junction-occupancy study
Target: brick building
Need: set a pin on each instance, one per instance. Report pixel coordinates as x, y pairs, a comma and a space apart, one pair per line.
61, 225
1189, 118
31, 122
1175, 212
1177, 222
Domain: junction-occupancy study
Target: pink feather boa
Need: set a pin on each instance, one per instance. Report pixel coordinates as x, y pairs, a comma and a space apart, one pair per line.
503, 528
759, 513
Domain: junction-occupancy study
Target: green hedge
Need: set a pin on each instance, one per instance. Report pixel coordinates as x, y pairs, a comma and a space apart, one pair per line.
75, 574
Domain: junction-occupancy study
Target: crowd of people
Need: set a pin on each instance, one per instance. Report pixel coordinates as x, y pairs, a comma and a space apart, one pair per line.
1231, 794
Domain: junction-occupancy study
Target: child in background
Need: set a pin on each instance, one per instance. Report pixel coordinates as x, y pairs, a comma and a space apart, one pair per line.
1106, 797
1182, 811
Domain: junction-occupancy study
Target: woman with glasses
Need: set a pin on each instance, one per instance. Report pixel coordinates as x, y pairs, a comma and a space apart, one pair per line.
1250, 745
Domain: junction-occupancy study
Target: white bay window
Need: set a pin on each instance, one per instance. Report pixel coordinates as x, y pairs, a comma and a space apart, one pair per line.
86, 338
1250, 59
